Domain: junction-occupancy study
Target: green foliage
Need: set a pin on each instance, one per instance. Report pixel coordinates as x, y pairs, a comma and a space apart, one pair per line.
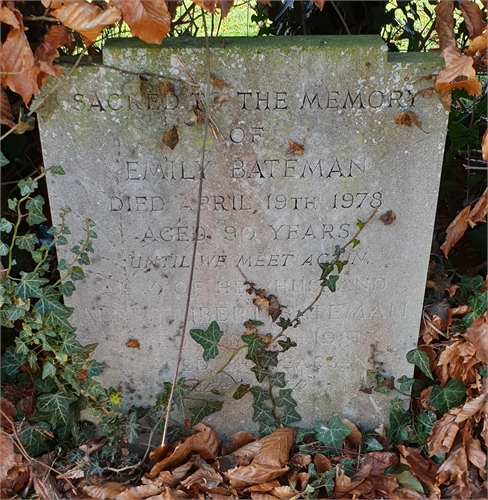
42, 346
332, 434
208, 339
445, 398
405, 477
399, 419
421, 360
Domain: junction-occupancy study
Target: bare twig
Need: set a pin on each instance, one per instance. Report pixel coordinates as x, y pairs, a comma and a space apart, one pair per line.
340, 16
195, 242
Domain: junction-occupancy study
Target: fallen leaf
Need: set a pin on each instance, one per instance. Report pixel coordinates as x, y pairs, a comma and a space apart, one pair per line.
456, 230
475, 454
6, 117
443, 434
86, 18
240, 477
221, 98
477, 334
165, 88
218, 82
470, 408
204, 475
479, 44
240, 439
140, 492
388, 218
276, 448
9, 410
300, 460
473, 17
355, 438
178, 457
149, 20
454, 468
248, 451
423, 469
10, 17
295, 149
408, 118
170, 137
205, 443
479, 211
380, 461
7, 455
458, 65
444, 24
283, 492
322, 463
274, 308
133, 344
343, 483
319, 3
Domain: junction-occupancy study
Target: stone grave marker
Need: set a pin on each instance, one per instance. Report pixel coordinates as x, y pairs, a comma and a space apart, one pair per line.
303, 143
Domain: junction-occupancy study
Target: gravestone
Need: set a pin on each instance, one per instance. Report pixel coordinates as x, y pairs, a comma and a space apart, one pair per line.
302, 143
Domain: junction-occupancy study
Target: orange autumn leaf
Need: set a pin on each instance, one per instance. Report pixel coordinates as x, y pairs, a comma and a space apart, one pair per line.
240, 477
444, 24
8, 16
477, 334
479, 44
109, 489
456, 230
149, 20
86, 18
408, 118
484, 146
7, 455
133, 344
473, 17
423, 469
276, 448
479, 211
17, 67
319, 3
212, 5
6, 117
205, 443
457, 66
443, 434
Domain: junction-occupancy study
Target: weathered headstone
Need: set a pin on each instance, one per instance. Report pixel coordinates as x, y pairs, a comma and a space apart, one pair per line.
303, 143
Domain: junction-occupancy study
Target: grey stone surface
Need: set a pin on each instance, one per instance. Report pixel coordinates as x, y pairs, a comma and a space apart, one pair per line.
267, 214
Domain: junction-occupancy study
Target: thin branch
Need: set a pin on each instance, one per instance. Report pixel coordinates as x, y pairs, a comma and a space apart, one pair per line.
340, 16
197, 227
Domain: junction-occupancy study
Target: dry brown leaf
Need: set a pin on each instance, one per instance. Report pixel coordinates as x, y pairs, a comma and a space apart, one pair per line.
479, 44
457, 361
170, 137
47, 51
456, 230
7, 455
133, 344
240, 439
322, 463
470, 408
283, 492
248, 451
6, 117
218, 82
484, 146
149, 20
423, 469
276, 448
457, 66
443, 434
343, 484
205, 443
300, 460
140, 492
8, 16
109, 489
263, 487
165, 88
19, 72
178, 457
9, 409
477, 334
240, 477
444, 24
455, 468
295, 149
319, 3
479, 211
473, 17
274, 308
380, 461
86, 18
211, 5
204, 475
408, 118
475, 454
355, 439
388, 218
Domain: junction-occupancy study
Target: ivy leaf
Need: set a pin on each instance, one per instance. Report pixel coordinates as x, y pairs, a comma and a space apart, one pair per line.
48, 370
5, 225
12, 203
405, 383
241, 391
67, 288
360, 225
49, 301
254, 345
266, 427
270, 358
27, 242
404, 477
277, 379
333, 433
327, 268
208, 339
179, 393
286, 344
198, 413
35, 204
94, 388
340, 264
57, 406
35, 439
83, 259
57, 169
95, 368
259, 394
421, 360
262, 413
12, 361
260, 373
424, 423
77, 273
399, 419
3, 160
35, 218
355, 242
371, 444
290, 416
27, 186
284, 398
29, 285
330, 283
3, 249
451, 395
70, 344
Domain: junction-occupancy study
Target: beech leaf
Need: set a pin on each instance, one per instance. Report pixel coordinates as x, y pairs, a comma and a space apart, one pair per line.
205, 443
456, 230
149, 20
444, 24
457, 65
473, 17
276, 448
